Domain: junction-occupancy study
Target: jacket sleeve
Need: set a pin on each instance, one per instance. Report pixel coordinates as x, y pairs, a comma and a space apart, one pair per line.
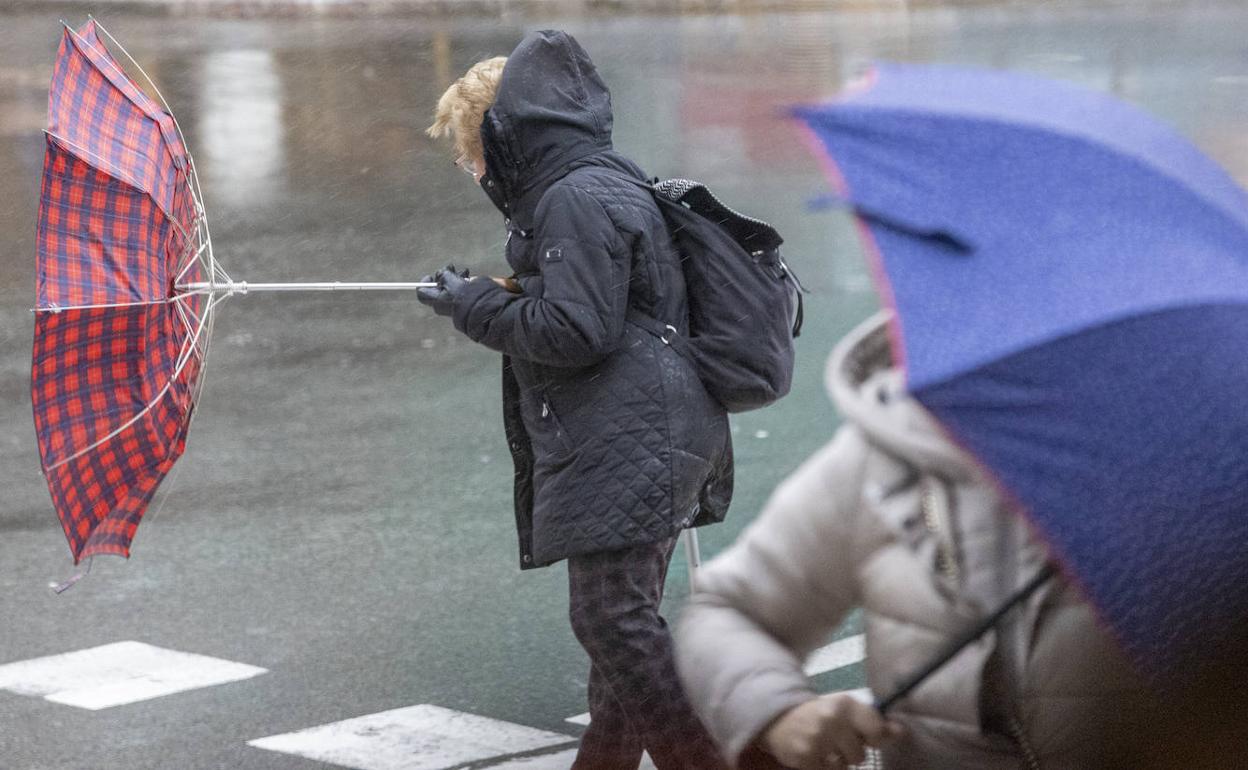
767, 602
579, 316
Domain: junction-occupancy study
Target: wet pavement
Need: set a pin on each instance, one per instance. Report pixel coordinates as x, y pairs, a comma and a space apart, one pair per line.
341, 517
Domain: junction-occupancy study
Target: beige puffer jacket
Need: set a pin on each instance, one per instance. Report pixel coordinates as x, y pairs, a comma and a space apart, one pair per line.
894, 518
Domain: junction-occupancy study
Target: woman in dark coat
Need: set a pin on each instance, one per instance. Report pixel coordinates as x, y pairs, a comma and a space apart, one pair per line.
617, 446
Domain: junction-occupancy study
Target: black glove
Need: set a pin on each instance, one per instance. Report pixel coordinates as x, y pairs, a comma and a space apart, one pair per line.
435, 298
450, 285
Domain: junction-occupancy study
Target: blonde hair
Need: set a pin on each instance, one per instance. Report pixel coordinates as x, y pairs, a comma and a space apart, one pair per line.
462, 108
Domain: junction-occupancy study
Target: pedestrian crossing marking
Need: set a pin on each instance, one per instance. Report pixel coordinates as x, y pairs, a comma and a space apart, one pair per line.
862, 694
423, 737
118, 674
561, 760
838, 654
558, 761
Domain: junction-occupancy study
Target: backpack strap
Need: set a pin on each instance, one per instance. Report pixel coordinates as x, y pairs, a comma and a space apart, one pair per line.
753, 235
666, 332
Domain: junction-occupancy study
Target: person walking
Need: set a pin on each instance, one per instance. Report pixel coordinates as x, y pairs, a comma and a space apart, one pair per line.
616, 444
893, 517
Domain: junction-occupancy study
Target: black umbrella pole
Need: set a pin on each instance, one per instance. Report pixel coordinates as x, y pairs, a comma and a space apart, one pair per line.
965, 638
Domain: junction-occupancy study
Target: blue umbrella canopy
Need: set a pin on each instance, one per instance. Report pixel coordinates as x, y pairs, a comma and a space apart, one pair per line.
1069, 281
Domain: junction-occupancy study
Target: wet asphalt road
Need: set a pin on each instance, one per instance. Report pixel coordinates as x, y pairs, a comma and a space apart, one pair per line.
342, 514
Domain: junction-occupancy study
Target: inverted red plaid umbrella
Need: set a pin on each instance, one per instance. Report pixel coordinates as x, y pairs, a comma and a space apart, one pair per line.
126, 290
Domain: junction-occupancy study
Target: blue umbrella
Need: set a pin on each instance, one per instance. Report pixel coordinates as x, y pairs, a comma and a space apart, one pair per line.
1069, 281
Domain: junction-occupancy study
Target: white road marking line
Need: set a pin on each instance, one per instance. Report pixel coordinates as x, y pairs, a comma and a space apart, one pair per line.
421, 737
838, 654
863, 694
117, 674
558, 761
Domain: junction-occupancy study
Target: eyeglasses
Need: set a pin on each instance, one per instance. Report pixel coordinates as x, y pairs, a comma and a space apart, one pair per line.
464, 164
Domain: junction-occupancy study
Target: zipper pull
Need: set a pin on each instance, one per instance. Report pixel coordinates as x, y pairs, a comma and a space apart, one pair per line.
545, 410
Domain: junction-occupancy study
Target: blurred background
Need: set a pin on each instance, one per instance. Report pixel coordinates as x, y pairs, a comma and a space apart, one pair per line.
342, 515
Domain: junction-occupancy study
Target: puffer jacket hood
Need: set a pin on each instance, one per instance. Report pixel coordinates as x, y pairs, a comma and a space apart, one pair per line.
870, 392
552, 109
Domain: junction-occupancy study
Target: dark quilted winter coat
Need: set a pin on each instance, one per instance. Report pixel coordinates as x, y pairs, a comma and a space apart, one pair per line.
615, 441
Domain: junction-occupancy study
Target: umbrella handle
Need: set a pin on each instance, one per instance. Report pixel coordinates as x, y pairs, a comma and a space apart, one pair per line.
959, 642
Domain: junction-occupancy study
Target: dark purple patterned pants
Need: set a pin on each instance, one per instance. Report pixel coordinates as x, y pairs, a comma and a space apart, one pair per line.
635, 699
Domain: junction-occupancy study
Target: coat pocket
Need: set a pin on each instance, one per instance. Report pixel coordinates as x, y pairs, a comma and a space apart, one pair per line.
552, 437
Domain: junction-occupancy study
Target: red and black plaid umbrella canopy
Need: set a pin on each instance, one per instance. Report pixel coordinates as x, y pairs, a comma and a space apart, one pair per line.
126, 295
116, 353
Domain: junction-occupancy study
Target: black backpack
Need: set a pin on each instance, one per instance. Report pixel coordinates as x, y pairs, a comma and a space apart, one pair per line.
745, 304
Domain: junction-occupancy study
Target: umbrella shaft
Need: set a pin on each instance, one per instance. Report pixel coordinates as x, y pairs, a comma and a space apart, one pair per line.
693, 555
243, 287
966, 638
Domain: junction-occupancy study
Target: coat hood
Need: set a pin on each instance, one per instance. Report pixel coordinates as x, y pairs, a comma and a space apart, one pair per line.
551, 110
869, 391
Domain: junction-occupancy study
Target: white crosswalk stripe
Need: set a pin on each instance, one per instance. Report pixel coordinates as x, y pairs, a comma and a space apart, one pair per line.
863, 694
423, 737
838, 654
117, 674
558, 761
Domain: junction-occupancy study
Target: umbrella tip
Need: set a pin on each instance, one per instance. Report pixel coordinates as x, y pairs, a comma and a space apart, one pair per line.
82, 572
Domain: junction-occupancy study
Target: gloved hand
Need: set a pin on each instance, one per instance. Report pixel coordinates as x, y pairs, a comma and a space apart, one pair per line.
450, 284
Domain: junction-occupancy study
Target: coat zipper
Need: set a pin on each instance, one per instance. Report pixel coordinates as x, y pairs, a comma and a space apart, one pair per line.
1031, 760
936, 518
553, 424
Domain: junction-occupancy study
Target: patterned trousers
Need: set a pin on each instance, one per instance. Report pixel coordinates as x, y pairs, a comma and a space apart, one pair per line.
635, 699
